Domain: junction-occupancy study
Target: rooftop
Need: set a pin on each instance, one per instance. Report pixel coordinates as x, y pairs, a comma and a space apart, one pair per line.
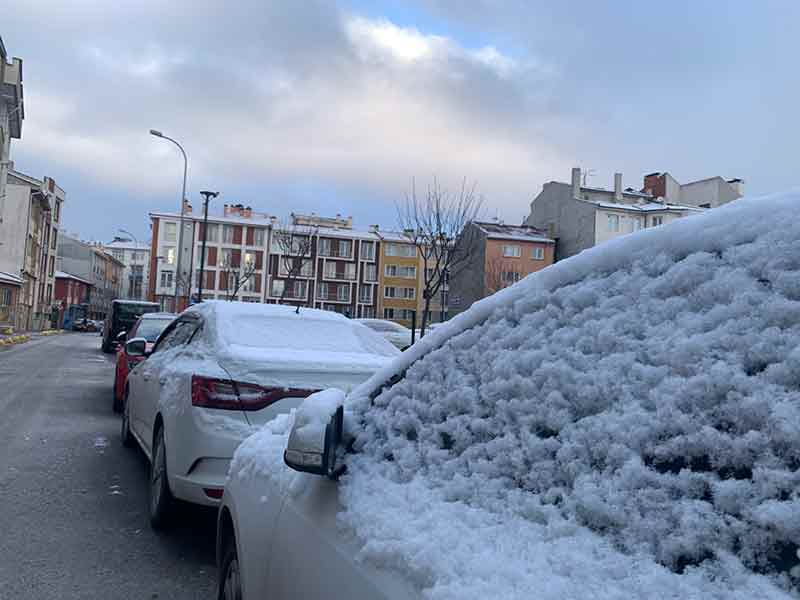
523, 233
64, 275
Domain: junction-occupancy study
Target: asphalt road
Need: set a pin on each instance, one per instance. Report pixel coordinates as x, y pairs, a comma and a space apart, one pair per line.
73, 500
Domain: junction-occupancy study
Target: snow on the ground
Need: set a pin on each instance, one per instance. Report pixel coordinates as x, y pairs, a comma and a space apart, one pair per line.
625, 423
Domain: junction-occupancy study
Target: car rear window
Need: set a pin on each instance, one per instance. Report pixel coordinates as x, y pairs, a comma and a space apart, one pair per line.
150, 329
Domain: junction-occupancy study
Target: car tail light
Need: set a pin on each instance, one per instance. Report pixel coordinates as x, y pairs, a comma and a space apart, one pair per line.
215, 493
208, 392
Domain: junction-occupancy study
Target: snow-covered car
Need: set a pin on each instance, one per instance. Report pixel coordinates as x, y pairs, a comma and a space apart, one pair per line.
394, 332
622, 424
221, 368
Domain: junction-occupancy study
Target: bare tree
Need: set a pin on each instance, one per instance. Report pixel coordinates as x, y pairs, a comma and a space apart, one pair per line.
294, 244
236, 276
434, 224
499, 275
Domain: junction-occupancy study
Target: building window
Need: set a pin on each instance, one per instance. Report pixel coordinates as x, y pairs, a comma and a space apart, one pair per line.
169, 255
226, 257
54, 240
166, 279
324, 247
367, 312
276, 289
250, 284
58, 211
322, 291
390, 292
5, 297
345, 248
388, 313
258, 236
537, 253
343, 293
370, 273
368, 250
509, 277
408, 293
613, 222
170, 232
249, 259
405, 314
512, 251
365, 294
390, 270
227, 234
212, 232
400, 271
405, 250
118, 254
656, 221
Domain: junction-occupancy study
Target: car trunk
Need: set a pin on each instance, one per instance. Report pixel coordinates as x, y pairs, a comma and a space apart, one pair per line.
290, 376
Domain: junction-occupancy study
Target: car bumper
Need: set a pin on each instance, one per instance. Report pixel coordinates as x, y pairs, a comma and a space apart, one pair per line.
204, 484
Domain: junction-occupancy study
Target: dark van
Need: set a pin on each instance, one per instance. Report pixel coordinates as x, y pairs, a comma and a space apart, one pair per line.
121, 317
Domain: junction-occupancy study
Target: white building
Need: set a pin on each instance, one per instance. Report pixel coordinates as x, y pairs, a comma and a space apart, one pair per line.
136, 275
580, 217
12, 112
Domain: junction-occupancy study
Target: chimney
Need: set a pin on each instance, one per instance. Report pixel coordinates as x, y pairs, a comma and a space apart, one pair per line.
655, 184
576, 182
738, 186
187, 208
374, 228
247, 212
617, 187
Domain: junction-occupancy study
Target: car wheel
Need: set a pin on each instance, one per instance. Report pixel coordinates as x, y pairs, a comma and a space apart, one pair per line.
125, 427
230, 582
116, 401
161, 500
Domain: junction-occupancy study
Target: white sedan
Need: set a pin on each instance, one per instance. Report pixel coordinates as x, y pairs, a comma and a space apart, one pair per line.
394, 332
222, 368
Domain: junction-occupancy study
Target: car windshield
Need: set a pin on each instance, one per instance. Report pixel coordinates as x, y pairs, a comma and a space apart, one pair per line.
150, 329
301, 334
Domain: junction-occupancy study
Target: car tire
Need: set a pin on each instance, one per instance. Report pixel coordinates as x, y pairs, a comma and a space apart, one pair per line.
230, 581
116, 402
125, 427
160, 498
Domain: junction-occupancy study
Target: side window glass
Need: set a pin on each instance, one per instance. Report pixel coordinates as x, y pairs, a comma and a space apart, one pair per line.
184, 332
165, 341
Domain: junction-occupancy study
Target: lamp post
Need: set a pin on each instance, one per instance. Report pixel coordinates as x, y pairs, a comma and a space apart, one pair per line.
206, 197
135, 292
178, 277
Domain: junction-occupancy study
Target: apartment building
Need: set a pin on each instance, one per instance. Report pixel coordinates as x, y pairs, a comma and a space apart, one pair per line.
30, 216
400, 284
89, 261
136, 273
325, 264
12, 113
580, 217
498, 256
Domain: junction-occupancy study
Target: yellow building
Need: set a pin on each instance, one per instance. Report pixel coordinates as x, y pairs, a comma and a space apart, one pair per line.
400, 280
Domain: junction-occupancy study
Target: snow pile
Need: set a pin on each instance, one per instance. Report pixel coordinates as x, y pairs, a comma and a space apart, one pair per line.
624, 423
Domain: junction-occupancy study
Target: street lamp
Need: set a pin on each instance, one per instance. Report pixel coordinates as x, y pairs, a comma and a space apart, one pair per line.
158, 134
206, 197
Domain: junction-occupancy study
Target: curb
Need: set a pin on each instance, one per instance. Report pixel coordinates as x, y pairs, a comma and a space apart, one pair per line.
14, 339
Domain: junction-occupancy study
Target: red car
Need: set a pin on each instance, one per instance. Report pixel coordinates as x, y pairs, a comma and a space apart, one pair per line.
149, 326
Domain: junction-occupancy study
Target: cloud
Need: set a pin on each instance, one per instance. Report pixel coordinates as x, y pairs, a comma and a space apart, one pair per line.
287, 92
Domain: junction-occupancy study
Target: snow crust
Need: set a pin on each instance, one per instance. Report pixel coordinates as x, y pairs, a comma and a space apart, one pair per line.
622, 424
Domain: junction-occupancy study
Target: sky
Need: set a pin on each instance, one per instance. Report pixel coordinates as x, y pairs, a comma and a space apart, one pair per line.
337, 107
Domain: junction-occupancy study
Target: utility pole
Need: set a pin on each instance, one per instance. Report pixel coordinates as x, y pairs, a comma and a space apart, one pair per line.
206, 197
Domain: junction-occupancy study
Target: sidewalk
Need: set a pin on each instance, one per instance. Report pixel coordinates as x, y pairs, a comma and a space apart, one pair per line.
22, 337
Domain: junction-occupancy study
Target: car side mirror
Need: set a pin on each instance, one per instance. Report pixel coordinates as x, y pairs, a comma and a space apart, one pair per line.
136, 347
121, 336
316, 435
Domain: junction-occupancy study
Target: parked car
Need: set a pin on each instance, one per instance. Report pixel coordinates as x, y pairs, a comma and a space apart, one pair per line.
394, 332
621, 424
149, 326
121, 317
221, 368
